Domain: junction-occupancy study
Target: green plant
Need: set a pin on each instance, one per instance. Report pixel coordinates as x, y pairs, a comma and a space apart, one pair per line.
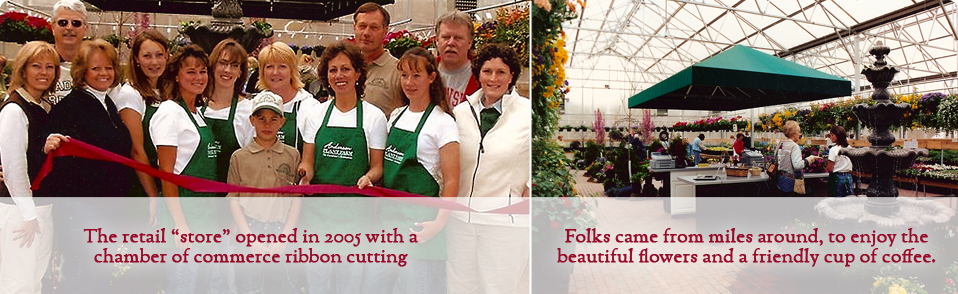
951, 275
263, 26
552, 179
640, 174
114, 40
948, 114
189, 24
592, 151
616, 135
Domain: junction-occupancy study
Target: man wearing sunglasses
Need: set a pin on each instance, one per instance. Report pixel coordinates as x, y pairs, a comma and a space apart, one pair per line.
69, 28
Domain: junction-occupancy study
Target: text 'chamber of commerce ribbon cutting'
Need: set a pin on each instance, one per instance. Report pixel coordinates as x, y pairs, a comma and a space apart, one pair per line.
79, 149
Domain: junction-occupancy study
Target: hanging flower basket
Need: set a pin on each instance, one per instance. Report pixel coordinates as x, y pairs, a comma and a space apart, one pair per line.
18, 27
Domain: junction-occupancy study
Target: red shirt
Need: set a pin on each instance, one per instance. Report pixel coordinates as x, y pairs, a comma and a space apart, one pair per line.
739, 146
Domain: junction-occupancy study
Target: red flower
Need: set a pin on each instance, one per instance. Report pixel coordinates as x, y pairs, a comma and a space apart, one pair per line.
37, 22
566, 202
554, 224
13, 15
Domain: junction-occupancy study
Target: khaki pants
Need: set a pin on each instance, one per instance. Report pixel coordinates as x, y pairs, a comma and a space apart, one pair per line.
486, 258
22, 268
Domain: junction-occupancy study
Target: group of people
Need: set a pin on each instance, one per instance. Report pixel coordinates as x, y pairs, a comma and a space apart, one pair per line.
453, 128
790, 162
788, 154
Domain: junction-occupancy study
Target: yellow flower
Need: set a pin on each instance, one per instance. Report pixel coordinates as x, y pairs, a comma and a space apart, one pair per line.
896, 289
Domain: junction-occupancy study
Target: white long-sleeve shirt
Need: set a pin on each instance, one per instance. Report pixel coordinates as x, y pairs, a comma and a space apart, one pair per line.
13, 156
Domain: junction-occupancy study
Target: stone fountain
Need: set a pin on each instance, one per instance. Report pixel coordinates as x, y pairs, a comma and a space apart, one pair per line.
226, 23
882, 205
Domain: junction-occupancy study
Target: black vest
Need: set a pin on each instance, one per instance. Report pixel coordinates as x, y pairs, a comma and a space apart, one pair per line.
36, 137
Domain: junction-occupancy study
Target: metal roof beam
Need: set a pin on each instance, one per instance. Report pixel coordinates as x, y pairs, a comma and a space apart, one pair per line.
623, 56
697, 32
664, 37
866, 25
761, 14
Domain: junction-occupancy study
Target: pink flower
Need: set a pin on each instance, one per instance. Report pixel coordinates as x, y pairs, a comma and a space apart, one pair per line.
554, 224
949, 281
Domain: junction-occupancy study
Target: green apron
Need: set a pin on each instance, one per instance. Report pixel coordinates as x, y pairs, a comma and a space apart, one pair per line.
150, 150
199, 209
289, 127
225, 134
148, 146
341, 158
402, 171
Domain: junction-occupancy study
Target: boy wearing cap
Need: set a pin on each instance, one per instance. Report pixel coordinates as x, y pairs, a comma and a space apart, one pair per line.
264, 163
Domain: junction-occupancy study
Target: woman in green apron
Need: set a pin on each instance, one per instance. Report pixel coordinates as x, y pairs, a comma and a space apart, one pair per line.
185, 146
344, 141
279, 73
226, 111
137, 101
421, 157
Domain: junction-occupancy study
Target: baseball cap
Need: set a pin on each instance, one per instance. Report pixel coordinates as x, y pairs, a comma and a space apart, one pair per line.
268, 100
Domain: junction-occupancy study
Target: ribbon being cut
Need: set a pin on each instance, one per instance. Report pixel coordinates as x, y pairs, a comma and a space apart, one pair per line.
79, 149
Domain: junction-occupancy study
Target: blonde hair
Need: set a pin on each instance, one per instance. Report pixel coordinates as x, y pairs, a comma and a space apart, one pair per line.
82, 63
279, 52
791, 128
30, 52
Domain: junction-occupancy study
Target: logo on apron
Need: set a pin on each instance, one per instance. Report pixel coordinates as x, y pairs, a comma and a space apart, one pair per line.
334, 150
393, 155
213, 149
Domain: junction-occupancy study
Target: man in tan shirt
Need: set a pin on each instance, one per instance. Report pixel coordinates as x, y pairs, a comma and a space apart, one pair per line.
382, 77
264, 163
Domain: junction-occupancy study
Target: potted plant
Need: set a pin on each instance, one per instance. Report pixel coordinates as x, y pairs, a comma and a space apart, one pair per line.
18, 27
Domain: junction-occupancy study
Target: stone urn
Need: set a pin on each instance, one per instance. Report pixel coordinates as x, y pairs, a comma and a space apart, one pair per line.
226, 24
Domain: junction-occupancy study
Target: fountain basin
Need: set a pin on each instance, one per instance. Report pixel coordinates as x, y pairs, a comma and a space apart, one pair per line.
911, 212
880, 117
880, 76
207, 36
871, 159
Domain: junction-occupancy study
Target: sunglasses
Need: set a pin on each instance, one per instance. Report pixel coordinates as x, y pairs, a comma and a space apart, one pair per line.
76, 23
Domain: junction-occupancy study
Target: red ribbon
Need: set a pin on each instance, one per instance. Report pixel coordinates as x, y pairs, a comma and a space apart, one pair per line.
83, 150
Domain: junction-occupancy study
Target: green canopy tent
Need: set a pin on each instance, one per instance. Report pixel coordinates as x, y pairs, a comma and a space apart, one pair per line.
740, 78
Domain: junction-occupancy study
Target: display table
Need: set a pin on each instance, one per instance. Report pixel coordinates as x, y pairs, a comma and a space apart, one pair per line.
679, 201
725, 179
682, 185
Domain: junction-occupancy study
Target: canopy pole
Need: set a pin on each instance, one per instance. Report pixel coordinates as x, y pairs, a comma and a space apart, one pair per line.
751, 126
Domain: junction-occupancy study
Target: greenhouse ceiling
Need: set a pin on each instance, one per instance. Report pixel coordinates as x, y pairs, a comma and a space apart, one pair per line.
619, 47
